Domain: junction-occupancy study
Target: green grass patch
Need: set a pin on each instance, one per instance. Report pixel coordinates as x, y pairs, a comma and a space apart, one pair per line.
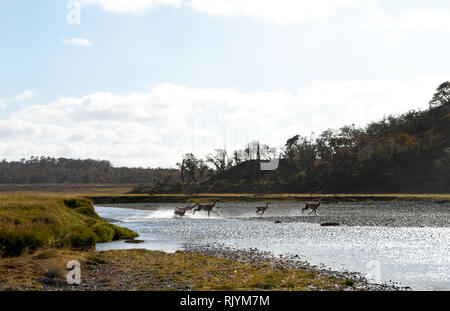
28, 222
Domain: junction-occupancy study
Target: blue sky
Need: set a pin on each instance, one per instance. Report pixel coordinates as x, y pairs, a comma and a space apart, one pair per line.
141, 82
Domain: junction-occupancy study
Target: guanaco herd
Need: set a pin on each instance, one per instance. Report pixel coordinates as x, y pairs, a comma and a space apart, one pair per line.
260, 210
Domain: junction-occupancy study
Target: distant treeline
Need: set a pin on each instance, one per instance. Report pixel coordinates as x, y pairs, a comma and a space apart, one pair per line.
409, 153
62, 170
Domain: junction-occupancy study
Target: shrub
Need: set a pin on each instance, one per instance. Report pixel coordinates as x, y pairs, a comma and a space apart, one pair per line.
104, 232
88, 211
81, 206
15, 243
122, 233
80, 236
75, 203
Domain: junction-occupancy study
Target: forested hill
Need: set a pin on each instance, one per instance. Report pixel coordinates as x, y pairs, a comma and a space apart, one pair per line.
62, 170
409, 153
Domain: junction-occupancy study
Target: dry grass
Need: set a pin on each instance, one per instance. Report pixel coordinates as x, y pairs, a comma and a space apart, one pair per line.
67, 189
23, 273
150, 270
115, 191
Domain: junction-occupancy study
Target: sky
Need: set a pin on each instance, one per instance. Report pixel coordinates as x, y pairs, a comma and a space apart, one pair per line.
140, 82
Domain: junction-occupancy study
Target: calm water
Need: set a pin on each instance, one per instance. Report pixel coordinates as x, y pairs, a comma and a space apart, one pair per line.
415, 257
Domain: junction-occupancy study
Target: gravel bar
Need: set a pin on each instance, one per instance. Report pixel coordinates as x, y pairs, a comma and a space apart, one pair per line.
255, 256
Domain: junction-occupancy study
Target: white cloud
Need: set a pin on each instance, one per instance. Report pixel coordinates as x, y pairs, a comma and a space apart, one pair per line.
132, 6
24, 96
423, 19
379, 19
289, 11
278, 11
154, 128
77, 42
412, 20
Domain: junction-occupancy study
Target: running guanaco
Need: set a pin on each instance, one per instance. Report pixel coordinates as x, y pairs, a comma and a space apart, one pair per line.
312, 206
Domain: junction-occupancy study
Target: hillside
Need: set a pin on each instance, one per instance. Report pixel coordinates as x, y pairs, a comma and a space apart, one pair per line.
409, 153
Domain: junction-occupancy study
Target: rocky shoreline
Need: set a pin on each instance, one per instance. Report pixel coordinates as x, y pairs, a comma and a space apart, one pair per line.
255, 256
97, 272
198, 269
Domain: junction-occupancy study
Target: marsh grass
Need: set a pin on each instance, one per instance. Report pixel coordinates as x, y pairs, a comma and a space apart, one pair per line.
154, 270
28, 222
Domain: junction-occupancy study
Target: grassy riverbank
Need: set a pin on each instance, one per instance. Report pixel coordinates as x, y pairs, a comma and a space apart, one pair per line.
39, 234
149, 270
28, 222
225, 197
120, 193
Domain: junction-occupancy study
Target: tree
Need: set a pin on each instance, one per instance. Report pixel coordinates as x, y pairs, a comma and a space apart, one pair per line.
193, 169
238, 157
61, 170
291, 142
182, 167
442, 96
219, 160
190, 165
